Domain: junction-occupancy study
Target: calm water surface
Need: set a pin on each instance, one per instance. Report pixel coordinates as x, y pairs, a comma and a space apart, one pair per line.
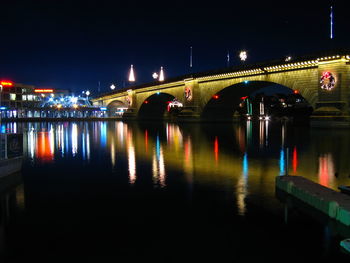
170, 193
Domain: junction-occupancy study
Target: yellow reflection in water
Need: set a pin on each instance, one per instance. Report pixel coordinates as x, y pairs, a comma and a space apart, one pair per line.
188, 160
112, 151
241, 187
20, 197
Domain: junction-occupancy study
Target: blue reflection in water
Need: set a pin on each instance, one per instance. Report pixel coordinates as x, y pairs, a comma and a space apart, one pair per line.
103, 134
83, 147
245, 165
158, 148
282, 162
66, 142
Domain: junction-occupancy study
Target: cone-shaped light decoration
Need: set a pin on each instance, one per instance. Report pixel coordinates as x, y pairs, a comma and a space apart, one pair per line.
161, 74
131, 74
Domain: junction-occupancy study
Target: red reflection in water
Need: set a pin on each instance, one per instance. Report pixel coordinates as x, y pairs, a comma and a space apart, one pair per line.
216, 148
240, 134
43, 149
295, 160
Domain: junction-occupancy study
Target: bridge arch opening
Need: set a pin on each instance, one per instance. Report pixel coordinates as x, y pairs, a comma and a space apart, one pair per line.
116, 108
256, 98
156, 107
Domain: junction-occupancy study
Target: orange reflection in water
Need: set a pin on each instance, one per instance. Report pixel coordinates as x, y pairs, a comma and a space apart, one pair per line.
146, 140
325, 169
44, 148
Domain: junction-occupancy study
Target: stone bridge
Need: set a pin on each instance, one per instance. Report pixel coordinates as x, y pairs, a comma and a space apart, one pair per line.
324, 81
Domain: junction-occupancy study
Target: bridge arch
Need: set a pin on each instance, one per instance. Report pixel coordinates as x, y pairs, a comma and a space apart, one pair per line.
115, 107
222, 104
155, 106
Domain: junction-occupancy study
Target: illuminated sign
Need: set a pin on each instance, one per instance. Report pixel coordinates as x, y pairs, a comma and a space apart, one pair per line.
43, 90
6, 83
103, 108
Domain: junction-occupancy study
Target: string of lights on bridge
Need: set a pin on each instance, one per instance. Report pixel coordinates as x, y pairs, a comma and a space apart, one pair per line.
243, 55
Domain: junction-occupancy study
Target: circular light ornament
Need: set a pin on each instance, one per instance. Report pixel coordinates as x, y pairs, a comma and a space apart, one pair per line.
327, 81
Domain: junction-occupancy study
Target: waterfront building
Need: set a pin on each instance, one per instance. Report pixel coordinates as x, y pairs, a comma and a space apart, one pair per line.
27, 101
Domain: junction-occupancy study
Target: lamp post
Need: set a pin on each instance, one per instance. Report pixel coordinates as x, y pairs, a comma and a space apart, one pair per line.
155, 75
243, 55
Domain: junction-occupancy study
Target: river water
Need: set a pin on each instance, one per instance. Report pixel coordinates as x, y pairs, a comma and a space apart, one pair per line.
165, 192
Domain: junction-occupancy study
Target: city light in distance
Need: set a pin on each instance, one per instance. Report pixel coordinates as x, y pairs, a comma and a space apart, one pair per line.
216, 96
6, 83
112, 87
43, 90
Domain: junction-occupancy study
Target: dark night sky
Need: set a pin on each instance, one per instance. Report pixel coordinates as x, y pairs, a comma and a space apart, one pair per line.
74, 44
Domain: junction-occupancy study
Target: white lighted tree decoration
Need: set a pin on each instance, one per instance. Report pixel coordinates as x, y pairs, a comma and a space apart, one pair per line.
161, 74
132, 74
243, 55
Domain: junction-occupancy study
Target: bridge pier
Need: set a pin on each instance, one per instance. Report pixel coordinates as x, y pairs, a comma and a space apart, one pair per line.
189, 114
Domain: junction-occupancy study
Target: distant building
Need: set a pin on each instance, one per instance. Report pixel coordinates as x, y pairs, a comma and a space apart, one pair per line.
27, 101
16, 97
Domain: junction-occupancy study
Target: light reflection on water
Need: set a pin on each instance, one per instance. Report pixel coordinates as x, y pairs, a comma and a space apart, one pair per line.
213, 153
225, 171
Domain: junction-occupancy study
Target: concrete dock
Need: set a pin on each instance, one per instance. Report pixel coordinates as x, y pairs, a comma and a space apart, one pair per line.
332, 203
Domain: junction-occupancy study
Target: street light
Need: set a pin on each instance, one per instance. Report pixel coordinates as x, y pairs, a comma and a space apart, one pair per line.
112, 87
155, 75
243, 55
